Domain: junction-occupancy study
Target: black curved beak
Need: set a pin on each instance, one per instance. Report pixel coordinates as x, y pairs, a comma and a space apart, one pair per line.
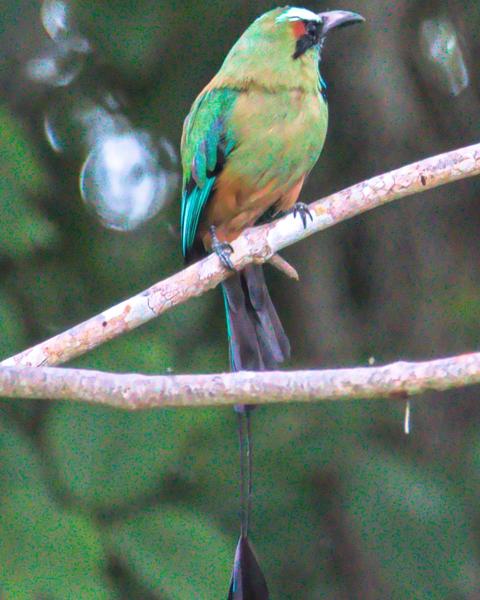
338, 18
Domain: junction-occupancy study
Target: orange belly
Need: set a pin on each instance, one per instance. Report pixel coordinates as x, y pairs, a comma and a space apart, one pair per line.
233, 207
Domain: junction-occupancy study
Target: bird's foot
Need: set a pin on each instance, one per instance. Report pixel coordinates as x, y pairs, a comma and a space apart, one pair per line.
300, 208
222, 249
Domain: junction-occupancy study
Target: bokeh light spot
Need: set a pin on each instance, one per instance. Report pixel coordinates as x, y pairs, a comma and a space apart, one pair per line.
122, 182
440, 45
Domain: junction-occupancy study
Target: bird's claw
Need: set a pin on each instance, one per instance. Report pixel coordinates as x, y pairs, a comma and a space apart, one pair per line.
222, 249
302, 209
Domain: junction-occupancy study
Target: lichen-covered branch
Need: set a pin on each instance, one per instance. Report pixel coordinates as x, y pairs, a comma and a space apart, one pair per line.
399, 381
255, 245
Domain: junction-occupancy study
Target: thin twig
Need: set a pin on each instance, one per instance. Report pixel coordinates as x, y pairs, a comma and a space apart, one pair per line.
398, 381
283, 266
255, 245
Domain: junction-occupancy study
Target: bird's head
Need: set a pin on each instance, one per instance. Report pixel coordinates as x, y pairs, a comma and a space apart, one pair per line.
308, 30
282, 48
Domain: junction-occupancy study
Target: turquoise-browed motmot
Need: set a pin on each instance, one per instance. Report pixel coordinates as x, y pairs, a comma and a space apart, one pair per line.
251, 138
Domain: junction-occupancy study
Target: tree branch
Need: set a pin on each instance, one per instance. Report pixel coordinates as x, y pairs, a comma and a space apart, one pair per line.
258, 245
399, 381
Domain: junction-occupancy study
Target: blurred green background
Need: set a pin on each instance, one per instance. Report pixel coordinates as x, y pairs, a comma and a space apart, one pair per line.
96, 503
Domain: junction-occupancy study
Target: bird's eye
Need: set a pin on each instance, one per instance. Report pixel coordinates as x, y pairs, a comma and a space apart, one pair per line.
312, 28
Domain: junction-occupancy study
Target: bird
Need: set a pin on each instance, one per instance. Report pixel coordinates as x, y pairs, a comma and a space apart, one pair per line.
249, 142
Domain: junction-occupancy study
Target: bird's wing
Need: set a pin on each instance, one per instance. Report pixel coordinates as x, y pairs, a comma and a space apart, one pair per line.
206, 143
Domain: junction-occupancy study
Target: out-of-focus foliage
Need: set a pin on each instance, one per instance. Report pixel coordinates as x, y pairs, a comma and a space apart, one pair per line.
176, 551
44, 545
115, 457
97, 503
23, 225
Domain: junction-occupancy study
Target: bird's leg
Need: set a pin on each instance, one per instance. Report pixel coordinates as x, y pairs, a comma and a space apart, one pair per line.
300, 208
221, 249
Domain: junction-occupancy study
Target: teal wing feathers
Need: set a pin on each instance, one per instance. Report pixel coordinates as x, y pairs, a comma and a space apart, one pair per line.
206, 143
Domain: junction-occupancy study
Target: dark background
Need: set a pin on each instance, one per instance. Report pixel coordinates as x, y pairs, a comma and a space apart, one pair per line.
97, 503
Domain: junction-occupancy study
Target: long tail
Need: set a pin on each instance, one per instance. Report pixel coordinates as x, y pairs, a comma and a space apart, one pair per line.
257, 342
